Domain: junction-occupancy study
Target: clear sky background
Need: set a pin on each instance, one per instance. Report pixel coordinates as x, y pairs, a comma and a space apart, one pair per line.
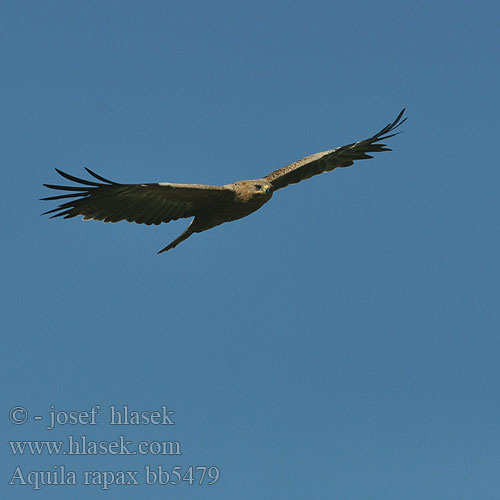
343, 341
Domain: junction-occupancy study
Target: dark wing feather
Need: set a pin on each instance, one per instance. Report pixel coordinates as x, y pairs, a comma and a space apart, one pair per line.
141, 203
325, 161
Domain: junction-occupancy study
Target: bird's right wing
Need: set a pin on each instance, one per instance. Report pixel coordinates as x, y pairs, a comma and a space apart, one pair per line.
141, 203
326, 161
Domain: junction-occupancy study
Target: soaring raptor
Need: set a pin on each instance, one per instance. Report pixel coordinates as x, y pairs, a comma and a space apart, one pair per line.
209, 205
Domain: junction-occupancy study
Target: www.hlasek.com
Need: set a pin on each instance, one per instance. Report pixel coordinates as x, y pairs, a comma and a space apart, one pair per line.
81, 445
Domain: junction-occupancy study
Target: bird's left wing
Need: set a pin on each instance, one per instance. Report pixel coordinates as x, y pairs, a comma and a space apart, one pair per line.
325, 161
141, 203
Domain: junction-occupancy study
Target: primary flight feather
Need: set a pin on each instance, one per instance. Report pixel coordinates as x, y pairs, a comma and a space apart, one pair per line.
209, 205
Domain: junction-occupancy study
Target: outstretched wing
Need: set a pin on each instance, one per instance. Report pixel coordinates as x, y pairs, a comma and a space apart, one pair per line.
141, 203
325, 161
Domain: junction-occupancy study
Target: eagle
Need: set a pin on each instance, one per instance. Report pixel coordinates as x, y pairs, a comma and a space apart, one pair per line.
210, 206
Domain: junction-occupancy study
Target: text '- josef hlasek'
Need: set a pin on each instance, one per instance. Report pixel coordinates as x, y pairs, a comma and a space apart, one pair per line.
115, 415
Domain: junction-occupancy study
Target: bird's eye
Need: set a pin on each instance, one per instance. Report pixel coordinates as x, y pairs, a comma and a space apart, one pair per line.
258, 186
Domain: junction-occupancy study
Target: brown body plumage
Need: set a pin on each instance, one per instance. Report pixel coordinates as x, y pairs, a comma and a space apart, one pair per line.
209, 205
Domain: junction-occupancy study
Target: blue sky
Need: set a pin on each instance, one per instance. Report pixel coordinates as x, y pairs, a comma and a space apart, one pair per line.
343, 341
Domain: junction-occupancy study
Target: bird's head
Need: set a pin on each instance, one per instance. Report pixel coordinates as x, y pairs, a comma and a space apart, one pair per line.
258, 190
261, 186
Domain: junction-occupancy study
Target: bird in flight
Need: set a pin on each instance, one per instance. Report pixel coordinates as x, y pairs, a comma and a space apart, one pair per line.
210, 206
